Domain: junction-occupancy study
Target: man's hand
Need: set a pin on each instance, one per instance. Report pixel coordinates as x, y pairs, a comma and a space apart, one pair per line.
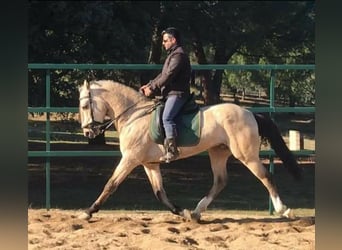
146, 90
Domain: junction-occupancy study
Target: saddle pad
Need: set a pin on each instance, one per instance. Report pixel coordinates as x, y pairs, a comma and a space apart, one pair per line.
188, 128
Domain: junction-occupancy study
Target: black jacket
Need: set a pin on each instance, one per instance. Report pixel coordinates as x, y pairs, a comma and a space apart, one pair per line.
175, 76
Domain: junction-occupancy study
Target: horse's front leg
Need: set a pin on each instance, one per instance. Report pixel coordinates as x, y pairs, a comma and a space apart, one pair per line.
218, 159
154, 175
126, 165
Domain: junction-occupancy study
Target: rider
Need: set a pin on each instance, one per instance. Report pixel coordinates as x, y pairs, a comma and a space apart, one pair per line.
174, 84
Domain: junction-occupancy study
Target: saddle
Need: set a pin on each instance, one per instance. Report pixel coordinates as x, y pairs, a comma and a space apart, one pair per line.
188, 124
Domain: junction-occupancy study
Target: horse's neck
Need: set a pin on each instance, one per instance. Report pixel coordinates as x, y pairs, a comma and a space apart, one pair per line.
124, 103
131, 111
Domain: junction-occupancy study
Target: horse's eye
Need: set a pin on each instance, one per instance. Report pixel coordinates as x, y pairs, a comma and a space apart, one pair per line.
85, 106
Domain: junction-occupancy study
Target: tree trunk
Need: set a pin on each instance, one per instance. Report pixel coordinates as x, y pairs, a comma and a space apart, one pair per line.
212, 84
216, 85
292, 103
221, 57
155, 51
205, 75
155, 48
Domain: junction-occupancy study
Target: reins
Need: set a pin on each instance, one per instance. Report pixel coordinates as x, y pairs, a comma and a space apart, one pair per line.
102, 127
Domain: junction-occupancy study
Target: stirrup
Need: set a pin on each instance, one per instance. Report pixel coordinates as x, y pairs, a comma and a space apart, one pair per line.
168, 157
171, 151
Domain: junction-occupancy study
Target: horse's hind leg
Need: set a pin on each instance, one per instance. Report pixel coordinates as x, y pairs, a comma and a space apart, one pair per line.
154, 175
258, 169
218, 159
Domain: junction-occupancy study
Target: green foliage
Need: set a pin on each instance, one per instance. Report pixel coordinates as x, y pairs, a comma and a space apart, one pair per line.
215, 32
296, 88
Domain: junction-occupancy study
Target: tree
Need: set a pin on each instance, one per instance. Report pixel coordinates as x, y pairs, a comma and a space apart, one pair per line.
215, 32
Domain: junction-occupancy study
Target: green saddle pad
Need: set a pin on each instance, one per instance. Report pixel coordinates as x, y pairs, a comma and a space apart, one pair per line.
188, 128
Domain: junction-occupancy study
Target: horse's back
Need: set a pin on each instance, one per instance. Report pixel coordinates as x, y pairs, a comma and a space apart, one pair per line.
230, 120
227, 110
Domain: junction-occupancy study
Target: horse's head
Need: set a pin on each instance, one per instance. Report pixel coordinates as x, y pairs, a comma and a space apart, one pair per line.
92, 111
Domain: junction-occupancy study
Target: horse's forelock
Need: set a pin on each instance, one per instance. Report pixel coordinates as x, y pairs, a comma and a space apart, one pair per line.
83, 90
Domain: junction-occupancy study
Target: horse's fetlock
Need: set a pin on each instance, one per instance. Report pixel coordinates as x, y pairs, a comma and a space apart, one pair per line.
288, 213
195, 216
93, 209
177, 210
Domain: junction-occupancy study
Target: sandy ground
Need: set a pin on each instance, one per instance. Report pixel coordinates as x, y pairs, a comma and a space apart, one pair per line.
134, 230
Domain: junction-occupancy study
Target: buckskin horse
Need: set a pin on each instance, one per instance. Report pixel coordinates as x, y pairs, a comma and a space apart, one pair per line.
226, 129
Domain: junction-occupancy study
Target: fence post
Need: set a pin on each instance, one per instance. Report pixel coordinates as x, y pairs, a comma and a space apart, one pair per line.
295, 140
47, 138
270, 204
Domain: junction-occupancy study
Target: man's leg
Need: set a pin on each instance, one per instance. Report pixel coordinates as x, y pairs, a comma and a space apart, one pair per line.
173, 105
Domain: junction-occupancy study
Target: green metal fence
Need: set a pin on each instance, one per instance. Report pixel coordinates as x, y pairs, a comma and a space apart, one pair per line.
48, 109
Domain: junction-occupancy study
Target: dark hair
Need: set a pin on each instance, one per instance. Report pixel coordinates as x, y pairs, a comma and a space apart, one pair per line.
173, 32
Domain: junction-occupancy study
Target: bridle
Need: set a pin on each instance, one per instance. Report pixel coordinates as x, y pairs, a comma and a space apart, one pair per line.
103, 126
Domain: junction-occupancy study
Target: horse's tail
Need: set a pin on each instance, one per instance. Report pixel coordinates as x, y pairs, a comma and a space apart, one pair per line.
269, 130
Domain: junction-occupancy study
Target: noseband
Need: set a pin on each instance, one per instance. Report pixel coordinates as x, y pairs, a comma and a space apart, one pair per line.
95, 125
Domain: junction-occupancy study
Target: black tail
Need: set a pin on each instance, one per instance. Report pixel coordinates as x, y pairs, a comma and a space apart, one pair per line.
269, 130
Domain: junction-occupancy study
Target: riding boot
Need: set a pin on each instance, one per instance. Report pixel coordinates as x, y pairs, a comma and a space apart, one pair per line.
171, 151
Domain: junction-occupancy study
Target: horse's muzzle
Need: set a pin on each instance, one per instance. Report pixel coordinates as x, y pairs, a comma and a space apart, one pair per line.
89, 133
93, 129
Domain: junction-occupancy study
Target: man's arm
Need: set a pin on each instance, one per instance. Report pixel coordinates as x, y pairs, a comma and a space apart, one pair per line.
168, 73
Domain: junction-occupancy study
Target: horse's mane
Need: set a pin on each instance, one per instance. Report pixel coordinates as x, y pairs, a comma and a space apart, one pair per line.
120, 88
110, 84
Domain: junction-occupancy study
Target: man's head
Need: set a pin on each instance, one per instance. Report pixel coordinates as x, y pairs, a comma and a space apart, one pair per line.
170, 36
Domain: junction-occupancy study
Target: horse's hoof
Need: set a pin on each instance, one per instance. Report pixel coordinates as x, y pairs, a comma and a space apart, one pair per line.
187, 215
195, 217
289, 214
84, 216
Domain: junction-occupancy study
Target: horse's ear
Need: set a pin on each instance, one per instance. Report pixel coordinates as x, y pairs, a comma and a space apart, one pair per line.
86, 84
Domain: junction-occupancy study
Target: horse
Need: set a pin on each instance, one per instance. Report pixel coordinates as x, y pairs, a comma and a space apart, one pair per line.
226, 130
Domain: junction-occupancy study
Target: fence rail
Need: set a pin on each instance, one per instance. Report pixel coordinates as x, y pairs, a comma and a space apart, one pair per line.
48, 109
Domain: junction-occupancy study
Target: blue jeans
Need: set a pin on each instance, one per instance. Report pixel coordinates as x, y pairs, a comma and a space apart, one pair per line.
173, 105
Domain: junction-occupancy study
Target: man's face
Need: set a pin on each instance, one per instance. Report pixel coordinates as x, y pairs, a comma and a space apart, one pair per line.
168, 41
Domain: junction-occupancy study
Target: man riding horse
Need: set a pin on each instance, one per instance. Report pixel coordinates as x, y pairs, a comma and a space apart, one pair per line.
174, 84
